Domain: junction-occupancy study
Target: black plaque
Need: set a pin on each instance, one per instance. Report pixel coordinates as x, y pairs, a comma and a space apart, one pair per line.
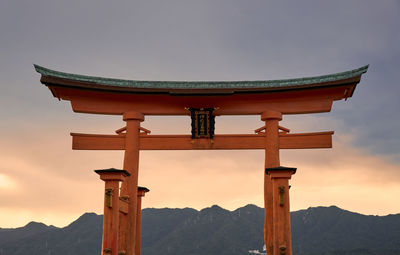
203, 122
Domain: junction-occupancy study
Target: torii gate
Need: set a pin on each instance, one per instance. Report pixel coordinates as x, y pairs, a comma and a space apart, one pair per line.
203, 101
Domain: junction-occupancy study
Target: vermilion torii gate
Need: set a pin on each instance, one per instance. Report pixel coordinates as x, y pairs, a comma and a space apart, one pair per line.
202, 100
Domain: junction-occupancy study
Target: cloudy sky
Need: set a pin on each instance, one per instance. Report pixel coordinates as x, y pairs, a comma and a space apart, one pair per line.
42, 179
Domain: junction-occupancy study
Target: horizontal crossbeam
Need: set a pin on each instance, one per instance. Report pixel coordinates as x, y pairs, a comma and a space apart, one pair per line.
185, 142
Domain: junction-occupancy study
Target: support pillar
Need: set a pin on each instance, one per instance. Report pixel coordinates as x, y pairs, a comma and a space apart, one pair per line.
112, 177
282, 241
129, 188
271, 119
141, 192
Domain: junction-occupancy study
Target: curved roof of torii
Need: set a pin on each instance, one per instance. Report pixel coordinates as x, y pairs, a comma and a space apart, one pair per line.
100, 83
89, 94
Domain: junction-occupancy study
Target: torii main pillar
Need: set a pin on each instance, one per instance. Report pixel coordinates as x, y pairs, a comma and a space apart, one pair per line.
277, 235
271, 119
129, 187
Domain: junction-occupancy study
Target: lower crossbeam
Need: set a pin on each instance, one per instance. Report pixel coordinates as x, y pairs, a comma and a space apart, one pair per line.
185, 142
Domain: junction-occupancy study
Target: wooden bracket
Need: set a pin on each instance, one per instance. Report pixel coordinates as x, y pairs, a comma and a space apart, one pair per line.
120, 131
123, 205
123, 129
285, 130
145, 131
260, 130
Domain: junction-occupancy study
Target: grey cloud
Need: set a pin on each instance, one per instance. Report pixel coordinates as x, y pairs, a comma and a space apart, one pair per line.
207, 40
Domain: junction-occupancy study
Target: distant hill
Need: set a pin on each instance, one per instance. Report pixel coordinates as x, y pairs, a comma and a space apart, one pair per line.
322, 230
81, 237
209, 231
216, 231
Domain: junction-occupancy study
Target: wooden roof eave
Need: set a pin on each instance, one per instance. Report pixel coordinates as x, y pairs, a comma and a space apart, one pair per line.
98, 95
97, 102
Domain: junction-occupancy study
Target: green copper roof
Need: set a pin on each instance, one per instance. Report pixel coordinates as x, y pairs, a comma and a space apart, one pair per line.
176, 85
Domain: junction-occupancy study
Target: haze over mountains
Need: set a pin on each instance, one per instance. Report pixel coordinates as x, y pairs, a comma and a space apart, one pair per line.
212, 231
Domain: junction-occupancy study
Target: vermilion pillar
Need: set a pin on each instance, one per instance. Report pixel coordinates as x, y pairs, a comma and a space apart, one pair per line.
271, 119
112, 177
282, 241
129, 188
141, 192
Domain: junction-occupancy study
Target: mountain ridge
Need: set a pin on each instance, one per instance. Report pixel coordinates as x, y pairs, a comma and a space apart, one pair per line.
215, 230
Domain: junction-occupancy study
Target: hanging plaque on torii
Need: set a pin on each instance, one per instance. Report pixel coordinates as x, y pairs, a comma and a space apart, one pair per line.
133, 99
203, 122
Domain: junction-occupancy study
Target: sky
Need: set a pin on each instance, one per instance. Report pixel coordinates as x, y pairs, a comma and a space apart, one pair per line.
43, 179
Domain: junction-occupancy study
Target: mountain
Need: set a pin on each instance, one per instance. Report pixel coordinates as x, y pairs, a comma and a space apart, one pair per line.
31, 229
214, 230
81, 237
209, 231
331, 230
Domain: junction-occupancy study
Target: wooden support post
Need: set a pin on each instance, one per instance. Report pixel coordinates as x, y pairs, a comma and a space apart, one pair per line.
130, 186
112, 177
282, 241
271, 119
141, 193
